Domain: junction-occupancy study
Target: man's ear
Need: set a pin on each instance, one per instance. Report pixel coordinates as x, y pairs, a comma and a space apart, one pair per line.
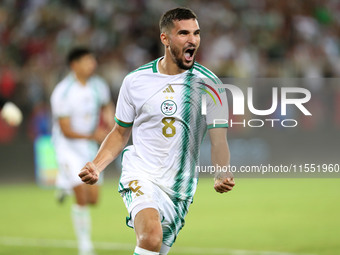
165, 39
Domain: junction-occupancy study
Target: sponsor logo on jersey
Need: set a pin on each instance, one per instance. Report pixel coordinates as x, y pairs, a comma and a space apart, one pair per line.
169, 89
168, 107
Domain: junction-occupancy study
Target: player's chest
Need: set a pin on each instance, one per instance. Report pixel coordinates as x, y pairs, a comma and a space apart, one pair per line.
83, 101
171, 100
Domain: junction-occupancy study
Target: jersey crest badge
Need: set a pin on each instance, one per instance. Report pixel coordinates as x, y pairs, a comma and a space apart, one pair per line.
168, 107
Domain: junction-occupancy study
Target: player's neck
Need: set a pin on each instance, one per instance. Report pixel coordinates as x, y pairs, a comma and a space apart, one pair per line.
167, 66
82, 79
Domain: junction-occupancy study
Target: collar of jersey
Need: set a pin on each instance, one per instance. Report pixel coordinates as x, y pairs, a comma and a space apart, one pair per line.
155, 67
72, 75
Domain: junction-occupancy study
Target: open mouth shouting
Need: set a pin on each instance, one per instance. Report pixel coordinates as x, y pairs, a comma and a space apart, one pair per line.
189, 54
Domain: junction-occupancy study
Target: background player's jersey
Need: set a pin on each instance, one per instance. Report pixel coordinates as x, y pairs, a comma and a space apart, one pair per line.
82, 104
167, 125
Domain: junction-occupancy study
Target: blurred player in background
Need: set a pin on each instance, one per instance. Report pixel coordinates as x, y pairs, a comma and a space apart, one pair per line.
79, 103
159, 104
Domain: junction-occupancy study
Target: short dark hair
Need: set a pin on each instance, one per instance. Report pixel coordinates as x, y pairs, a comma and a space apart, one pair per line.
166, 21
77, 53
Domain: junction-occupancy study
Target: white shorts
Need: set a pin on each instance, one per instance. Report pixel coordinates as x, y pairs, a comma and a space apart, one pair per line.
69, 166
140, 194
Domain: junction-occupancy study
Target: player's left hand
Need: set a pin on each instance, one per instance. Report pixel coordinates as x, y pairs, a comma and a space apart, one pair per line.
89, 173
224, 185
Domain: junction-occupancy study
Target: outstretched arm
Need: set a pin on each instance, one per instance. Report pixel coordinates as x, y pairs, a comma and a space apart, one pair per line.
220, 158
112, 145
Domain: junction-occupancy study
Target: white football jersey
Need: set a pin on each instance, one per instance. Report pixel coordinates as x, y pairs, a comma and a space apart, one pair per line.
165, 112
82, 104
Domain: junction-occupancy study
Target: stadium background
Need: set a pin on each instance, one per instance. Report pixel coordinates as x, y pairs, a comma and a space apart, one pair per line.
240, 39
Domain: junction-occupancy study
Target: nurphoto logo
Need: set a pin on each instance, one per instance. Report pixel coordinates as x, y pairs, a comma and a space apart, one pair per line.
288, 97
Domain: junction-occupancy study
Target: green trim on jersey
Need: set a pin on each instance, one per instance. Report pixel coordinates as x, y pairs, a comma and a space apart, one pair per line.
155, 62
151, 65
128, 197
192, 68
122, 123
140, 69
198, 129
207, 70
185, 116
154, 65
120, 185
121, 159
170, 234
143, 67
218, 126
207, 73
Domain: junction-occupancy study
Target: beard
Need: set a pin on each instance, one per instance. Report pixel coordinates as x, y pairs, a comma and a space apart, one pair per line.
176, 57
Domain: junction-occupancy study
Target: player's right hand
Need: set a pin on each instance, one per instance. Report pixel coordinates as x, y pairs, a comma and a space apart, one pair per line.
89, 173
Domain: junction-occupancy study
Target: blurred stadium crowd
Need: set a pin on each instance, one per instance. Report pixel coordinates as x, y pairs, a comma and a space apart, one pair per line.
241, 39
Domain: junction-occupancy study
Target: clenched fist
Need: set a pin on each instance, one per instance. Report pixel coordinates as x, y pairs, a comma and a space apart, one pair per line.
89, 174
225, 185
224, 182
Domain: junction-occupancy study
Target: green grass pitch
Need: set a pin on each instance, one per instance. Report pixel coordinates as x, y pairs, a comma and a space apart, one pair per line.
288, 216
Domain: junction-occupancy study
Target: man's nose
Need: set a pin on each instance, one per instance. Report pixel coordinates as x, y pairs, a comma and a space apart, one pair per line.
193, 39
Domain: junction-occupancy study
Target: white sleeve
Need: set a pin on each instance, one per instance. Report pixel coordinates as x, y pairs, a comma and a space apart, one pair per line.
217, 106
60, 105
125, 110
